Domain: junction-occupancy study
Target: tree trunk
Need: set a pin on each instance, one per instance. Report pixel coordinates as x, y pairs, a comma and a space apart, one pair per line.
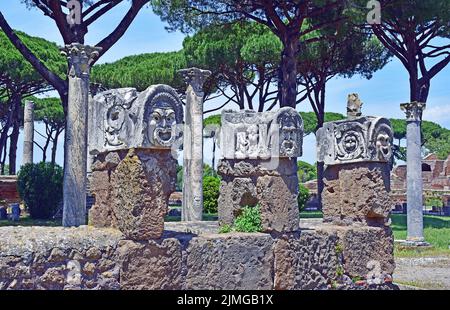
55, 146
288, 83
13, 145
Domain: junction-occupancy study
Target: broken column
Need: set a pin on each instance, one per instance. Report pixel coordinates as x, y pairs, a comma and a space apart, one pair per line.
259, 166
80, 58
28, 132
192, 208
357, 155
134, 171
414, 185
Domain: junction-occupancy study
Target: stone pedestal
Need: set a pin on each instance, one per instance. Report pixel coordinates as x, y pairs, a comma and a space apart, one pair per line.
79, 58
414, 171
357, 193
28, 133
192, 208
357, 154
132, 139
248, 183
259, 167
142, 184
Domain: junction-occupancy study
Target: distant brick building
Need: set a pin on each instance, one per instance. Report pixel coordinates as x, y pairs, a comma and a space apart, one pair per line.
8, 189
435, 175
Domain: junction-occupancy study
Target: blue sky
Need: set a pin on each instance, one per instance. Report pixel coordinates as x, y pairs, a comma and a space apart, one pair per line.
381, 95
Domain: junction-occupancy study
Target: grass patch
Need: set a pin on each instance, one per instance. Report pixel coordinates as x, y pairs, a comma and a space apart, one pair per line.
436, 232
206, 217
311, 215
26, 220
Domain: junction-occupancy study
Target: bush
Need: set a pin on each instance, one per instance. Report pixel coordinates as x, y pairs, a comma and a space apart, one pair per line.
41, 188
211, 185
249, 220
303, 197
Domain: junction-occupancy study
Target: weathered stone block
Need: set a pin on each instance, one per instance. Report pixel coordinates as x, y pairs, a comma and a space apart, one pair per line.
357, 193
251, 182
154, 264
229, 261
367, 252
305, 260
142, 184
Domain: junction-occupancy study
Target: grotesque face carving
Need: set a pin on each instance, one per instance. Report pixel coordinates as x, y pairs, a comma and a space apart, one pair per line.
289, 128
161, 126
383, 146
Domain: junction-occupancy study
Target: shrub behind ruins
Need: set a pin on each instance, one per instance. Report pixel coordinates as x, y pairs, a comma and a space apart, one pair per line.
40, 187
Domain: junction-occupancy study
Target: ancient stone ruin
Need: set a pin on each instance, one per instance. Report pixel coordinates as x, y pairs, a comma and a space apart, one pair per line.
133, 170
357, 156
128, 245
259, 166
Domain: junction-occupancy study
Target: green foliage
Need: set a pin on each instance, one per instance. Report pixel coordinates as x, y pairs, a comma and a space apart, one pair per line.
249, 220
211, 185
310, 120
435, 139
16, 68
224, 229
141, 71
306, 172
41, 187
303, 197
213, 120
49, 111
236, 54
433, 199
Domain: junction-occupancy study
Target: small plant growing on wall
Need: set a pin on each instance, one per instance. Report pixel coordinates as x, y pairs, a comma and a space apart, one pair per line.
248, 221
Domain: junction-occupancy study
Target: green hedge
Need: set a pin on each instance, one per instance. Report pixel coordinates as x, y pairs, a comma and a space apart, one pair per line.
41, 188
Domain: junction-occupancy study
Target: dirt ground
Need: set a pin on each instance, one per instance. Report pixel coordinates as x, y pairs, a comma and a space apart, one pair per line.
423, 272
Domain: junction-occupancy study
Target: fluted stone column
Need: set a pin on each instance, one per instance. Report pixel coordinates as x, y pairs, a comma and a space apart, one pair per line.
192, 208
28, 133
414, 186
79, 59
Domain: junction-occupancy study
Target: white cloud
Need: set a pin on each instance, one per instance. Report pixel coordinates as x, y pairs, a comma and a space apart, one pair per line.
438, 114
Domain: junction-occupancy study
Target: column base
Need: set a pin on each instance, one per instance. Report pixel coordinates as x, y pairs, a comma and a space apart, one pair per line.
413, 243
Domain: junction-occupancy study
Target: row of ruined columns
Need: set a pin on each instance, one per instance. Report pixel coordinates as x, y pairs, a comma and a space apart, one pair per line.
80, 58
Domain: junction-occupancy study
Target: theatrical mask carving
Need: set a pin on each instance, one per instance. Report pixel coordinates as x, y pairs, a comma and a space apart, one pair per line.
291, 133
161, 126
162, 117
355, 140
381, 140
250, 134
124, 118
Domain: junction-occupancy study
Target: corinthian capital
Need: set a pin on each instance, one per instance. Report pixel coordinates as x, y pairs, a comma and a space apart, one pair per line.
195, 77
80, 58
413, 111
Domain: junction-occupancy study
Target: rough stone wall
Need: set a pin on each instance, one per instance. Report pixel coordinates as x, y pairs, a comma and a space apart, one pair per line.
132, 189
357, 193
91, 258
58, 258
250, 182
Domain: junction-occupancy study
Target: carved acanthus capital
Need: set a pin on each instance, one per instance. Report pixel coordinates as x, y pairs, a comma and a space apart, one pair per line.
195, 78
413, 111
80, 58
